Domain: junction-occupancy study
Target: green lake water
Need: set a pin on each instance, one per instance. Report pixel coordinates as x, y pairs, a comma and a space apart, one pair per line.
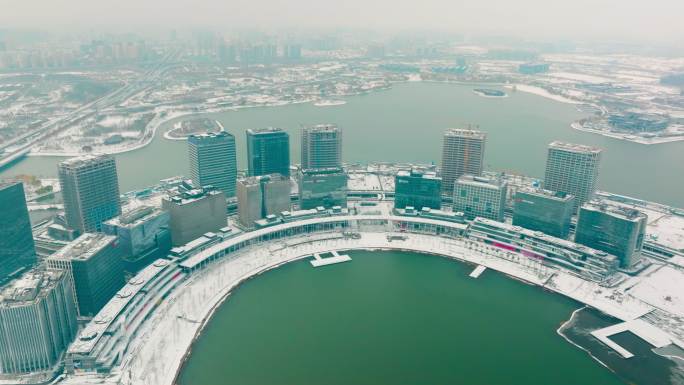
389, 318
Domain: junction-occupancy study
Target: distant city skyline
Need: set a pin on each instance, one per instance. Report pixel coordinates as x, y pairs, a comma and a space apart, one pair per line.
612, 19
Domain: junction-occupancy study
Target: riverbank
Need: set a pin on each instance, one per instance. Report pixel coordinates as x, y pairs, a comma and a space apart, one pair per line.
156, 355
628, 137
646, 367
534, 90
148, 137
172, 113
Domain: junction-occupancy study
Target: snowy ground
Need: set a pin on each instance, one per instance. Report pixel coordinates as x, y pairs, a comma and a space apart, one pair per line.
158, 353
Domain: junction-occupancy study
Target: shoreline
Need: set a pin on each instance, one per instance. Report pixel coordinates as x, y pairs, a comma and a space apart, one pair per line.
519, 278
530, 89
636, 139
539, 91
205, 321
200, 296
144, 143
157, 121
567, 324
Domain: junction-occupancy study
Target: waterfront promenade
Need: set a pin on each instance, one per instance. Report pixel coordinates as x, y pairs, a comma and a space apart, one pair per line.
157, 352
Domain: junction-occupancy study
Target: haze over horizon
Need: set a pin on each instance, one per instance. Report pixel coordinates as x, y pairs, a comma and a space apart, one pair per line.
657, 20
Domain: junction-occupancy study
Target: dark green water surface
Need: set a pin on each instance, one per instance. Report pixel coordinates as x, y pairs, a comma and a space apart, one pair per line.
389, 318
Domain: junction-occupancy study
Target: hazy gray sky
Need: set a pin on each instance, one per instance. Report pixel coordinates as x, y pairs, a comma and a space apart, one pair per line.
647, 19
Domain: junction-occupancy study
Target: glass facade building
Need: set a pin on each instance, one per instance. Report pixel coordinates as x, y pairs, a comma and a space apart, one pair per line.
213, 161
268, 152
543, 210
322, 187
94, 264
417, 189
17, 249
613, 229
90, 188
143, 235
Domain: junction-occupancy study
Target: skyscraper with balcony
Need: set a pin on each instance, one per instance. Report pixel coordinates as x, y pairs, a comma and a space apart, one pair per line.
321, 146
572, 169
268, 152
38, 318
213, 161
90, 188
543, 210
462, 153
614, 229
17, 249
417, 189
477, 196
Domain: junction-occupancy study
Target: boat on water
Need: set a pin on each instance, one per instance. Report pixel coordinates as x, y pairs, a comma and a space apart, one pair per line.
329, 103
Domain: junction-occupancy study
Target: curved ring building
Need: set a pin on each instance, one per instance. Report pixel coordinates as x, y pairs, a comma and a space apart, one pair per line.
143, 335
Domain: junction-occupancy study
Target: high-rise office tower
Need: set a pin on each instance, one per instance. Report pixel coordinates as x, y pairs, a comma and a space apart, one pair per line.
260, 196
90, 188
572, 169
38, 318
462, 153
268, 152
417, 189
326, 187
292, 51
616, 230
17, 250
213, 161
195, 212
321, 146
94, 264
543, 210
477, 196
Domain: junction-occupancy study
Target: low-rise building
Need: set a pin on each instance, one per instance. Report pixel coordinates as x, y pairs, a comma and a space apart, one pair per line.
106, 338
417, 189
322, 187
583, 261
477, 196
426, 212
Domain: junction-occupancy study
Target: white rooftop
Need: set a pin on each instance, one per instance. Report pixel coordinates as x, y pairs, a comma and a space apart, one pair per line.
88, 337
581, 148
84, 247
